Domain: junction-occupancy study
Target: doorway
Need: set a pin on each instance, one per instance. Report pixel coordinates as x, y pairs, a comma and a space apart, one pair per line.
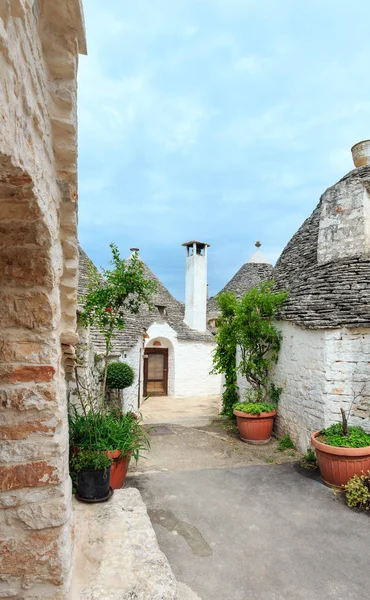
156, 372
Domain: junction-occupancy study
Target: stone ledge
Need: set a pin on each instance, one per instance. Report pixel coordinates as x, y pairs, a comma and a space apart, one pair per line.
117, 556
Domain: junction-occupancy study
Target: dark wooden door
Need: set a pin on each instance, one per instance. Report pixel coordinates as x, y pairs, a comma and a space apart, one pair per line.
156, 371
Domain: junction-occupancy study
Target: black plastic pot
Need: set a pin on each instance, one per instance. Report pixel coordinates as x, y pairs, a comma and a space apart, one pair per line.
93, 485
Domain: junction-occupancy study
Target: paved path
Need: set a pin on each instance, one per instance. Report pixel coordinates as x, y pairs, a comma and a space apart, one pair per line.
196, 410
236, 527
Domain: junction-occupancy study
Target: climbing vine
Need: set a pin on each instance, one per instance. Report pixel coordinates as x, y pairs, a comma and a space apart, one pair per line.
247, 324
224, 358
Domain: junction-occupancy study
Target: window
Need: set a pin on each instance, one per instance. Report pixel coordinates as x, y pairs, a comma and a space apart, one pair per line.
162, 310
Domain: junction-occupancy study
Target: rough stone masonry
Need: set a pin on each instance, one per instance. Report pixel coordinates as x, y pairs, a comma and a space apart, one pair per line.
39, 41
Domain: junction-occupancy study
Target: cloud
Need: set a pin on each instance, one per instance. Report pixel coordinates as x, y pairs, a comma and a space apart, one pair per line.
218, 119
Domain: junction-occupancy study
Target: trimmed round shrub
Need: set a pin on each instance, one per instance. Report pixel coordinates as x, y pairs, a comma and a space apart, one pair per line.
119, 376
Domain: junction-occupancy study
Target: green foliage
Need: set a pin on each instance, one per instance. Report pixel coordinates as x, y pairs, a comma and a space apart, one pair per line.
224, 359
119, 376
334, 436
358, 491
108, 430
285, 443
247, 323
90, 459
309, 460
254, 408
112, 293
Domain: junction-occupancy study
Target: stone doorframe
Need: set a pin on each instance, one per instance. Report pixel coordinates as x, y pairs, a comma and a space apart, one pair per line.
40, 41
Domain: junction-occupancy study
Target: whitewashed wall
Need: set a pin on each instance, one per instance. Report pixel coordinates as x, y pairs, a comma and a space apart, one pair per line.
320, 371
130, 395
189, 363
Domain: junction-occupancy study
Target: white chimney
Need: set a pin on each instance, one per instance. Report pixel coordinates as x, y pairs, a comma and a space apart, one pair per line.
196, 285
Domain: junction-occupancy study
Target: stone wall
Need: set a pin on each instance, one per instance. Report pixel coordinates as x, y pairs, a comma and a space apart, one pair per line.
38, 268
320, 371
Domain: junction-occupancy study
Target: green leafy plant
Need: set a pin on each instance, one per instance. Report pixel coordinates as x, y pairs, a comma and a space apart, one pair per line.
285, 443
119, 375
224, 359
309, 460
358, 491
355, 437
247, 323
90, 459
108, 430
254, 408
111, 294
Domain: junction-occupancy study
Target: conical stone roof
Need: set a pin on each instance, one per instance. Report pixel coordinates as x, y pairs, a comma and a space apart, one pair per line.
253, 272
134, 324
326, 265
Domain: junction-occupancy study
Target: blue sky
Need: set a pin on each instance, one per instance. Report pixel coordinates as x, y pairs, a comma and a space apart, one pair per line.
217, 120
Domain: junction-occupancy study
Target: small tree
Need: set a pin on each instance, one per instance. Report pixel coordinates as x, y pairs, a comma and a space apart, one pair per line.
247, 324
258, 339
111, 294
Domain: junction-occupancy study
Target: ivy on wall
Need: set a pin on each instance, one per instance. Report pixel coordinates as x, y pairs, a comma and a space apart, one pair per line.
247, 323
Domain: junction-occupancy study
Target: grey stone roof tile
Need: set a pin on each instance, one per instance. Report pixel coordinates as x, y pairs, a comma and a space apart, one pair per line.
327, 295
248, 276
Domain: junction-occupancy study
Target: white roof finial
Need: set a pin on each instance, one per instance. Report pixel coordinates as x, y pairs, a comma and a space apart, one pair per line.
258, 257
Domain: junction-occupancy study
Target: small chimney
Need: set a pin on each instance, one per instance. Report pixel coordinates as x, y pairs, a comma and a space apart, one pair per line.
196, 285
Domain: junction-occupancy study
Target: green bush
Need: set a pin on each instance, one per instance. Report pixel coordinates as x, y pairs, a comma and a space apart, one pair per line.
253, 408
334, 436
119, 376
109, 430
358, 491
285, 443
90, 459
247, 323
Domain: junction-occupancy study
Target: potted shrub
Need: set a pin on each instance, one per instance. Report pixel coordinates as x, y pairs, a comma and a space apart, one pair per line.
255, 421
248, 325
93, 472
342, 451
121, 436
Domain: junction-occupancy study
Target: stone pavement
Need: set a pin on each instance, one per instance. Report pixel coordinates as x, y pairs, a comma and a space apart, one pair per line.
196, 410
235, 525
258, 533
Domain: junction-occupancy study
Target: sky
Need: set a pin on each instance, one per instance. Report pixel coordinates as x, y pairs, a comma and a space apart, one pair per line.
216, 120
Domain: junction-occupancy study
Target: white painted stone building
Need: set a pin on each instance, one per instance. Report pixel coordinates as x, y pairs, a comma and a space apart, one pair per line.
169, 348
324, 361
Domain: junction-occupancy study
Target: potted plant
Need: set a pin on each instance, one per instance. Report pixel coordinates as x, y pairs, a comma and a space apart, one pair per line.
248, 322
93, 472
123, 437
342, 451
120, 435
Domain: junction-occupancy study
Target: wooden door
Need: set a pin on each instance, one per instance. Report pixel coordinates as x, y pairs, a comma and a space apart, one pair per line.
156, 371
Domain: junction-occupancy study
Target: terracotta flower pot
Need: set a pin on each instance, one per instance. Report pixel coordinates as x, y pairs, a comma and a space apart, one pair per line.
361, 153
118, 469
338, 465
255, 429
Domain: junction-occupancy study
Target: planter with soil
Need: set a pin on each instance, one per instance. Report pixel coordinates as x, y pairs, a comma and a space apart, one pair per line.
119, 468
93, 476
255, 422
339, 463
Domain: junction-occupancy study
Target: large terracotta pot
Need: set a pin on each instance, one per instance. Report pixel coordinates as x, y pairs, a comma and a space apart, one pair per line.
255, 429
361, 153
118, 469
338, 465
